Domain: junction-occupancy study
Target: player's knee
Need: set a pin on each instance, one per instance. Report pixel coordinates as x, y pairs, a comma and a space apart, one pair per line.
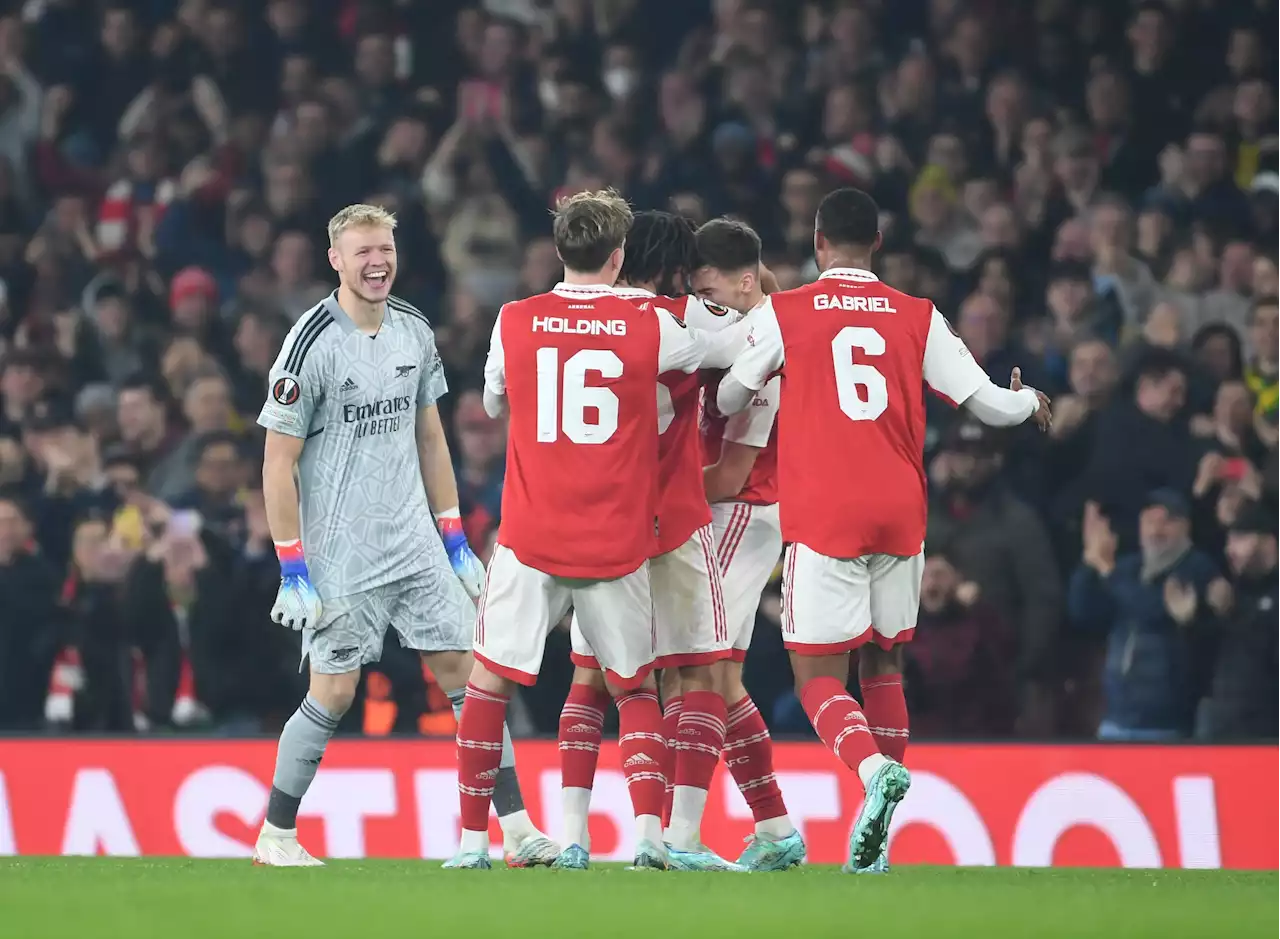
726, 679
591, 677
452, 669
671, 684
806, 668
874, 661
335, 693
696, 678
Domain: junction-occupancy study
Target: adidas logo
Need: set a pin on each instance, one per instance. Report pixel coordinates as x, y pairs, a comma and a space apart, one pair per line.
640, 759
582, 729
488, 774
690, 731
348, 385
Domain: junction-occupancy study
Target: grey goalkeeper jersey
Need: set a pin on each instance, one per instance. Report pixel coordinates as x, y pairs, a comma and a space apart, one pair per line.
354, 398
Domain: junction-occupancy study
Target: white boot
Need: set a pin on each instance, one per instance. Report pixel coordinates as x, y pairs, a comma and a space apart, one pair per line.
278, 847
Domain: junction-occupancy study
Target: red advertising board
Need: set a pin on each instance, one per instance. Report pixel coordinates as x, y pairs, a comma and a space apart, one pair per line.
1138, 806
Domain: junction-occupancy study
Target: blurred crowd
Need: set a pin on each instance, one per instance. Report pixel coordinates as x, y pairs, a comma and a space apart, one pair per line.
1088, 188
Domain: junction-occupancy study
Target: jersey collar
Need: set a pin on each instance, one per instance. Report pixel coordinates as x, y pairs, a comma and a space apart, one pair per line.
345, 323
634, 293
847, 273
582, 291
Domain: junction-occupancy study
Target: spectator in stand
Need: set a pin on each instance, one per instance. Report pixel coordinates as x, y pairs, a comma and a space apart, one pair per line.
28, 619
1261, 374
257, 341
218, 478
1244, 680
144, 423
957, 680
1142, 439
1151, 607
88, 688
999, 544
479, 455
207, 407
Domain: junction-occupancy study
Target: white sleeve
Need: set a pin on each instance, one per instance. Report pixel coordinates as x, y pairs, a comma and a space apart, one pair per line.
680, 349
495, 366
494, 405
1002, 407
724, 346
949, 368
752, 425
762, 355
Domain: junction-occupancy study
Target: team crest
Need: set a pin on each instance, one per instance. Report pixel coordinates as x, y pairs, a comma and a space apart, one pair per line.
285, 390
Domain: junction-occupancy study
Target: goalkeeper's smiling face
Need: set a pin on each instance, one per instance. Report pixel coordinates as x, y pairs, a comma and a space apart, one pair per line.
365, 259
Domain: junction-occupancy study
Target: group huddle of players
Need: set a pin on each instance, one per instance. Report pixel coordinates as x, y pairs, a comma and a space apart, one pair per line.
673, 422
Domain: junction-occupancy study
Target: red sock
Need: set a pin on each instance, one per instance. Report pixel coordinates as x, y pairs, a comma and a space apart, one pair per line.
643, 750
581, 727
839, 721
479, 753
700, 739
886, 708
748, 752
670, 725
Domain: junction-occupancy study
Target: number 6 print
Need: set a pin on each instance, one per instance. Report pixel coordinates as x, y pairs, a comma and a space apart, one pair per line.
849, 376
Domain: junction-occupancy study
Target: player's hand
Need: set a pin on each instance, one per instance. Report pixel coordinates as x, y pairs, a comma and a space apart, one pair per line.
297, 603
464, 561
1043, 416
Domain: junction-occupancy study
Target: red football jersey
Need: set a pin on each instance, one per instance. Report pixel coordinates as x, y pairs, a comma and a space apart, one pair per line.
757, 426
853, 355
578, 366
682, 499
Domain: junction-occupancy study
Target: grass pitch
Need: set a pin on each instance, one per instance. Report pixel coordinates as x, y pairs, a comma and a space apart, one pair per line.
52, 898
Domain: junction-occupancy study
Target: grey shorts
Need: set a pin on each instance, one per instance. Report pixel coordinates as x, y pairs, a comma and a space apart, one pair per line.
429, 610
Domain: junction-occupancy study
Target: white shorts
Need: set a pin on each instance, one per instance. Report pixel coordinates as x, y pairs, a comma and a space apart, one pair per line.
688, 608
521, 605
749, 543
832, 605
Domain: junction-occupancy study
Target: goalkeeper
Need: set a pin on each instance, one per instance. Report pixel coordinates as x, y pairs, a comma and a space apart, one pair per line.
356, 463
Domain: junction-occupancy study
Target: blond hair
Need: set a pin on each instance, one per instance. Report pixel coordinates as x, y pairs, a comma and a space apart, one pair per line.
590, 226
359, 216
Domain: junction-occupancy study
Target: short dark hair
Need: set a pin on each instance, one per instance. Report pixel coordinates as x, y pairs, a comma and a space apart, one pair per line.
217, 438
660, 248
728, 245
141, 381
588, 227
120, 455
1157, 363
849, 217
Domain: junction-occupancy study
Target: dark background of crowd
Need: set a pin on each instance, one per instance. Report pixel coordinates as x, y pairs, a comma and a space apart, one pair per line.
1086, 187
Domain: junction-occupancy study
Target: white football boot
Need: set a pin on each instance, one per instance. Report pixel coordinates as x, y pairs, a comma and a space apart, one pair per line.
278, 847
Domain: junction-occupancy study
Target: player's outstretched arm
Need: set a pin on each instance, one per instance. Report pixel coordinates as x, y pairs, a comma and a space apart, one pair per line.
442, 496
1007, 407
950, 370
297, 602
759, 360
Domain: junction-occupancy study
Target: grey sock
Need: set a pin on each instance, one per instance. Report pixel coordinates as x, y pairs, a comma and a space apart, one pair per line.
506, 787
302, 744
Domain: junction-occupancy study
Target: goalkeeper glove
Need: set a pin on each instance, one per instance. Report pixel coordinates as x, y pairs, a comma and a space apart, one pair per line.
297, 603
465, 563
